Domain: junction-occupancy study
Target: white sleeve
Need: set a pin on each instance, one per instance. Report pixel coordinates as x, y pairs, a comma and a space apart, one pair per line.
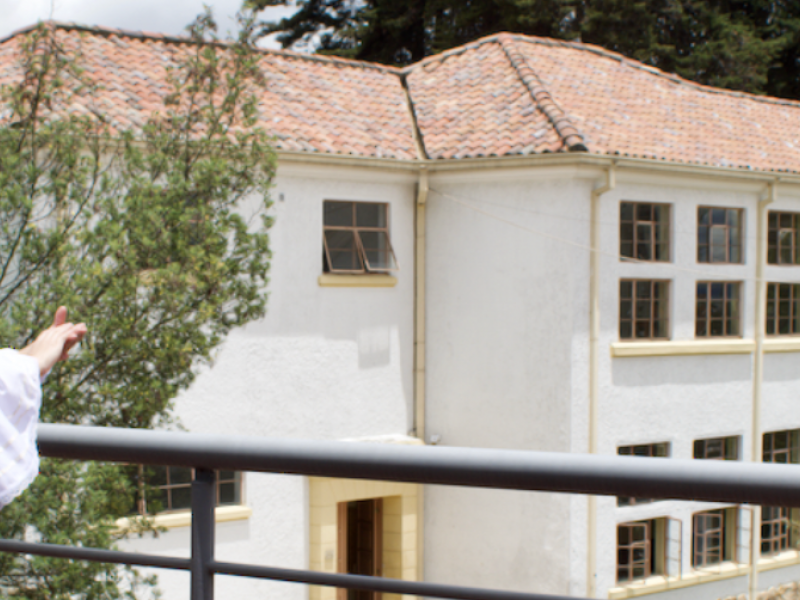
20, 400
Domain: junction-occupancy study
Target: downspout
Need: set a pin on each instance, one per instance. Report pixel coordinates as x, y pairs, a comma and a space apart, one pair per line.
594, 342
758, 373
419, 305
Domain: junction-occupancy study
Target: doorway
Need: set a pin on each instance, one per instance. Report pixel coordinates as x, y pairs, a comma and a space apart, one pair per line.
360, 543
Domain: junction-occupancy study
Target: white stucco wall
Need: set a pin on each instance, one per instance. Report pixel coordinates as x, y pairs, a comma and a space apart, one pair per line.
325, 363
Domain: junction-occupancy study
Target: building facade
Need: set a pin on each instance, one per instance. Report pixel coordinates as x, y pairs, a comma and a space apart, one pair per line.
523, 244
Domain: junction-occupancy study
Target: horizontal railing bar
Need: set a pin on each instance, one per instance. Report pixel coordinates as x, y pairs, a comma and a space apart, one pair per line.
376, 584
95, 555
708, 480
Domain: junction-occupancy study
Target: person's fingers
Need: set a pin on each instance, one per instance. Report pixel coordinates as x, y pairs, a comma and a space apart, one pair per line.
60, 316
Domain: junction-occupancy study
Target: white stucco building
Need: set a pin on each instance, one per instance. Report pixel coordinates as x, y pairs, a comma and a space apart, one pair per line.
546, 204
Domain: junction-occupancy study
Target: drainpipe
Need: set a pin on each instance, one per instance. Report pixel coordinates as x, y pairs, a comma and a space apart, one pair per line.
758, 372
594, 341
419, 348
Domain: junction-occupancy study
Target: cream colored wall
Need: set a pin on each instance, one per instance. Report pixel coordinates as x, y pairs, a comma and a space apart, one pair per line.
399, 526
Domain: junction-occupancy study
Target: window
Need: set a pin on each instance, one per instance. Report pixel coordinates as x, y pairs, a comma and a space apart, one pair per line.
640, 549
776, 531
644, 231
783, 309
170, 489
356, 238
717, 307
713, 536
643, 309
726, 448
783, 245
654, 450
719, 235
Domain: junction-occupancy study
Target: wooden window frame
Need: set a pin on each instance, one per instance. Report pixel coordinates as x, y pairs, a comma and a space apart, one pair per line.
725, 532
359, 244
729, 448
651, 320
656, 247
706, 320
778, 525
727, 227
773, 309
168, 488
775, 230
655, 450
645, 545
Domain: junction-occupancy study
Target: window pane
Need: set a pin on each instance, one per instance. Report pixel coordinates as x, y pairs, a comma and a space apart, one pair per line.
703, 216
228, 493
718, 216
625, 330
626, 211
179, 475
702, 235
339, 214
181, 498
733, 218
377, 251
344, 255
370, 214
626, 289
626, 232
644, 212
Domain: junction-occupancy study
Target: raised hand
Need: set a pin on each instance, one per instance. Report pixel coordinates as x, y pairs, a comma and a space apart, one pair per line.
55, 342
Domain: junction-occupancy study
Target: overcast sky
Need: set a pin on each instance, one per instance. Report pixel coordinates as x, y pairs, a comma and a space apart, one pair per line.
161, 16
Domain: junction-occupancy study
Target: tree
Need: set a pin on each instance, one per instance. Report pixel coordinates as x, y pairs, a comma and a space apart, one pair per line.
750, 45
140, 233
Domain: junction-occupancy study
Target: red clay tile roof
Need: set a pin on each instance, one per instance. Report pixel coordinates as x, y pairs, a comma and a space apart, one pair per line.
501, 95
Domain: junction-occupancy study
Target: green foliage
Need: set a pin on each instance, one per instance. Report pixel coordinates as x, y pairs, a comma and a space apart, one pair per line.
750, 45
141, 234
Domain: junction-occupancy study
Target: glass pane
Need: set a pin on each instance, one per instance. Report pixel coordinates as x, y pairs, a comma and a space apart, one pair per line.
702, 254
377, 250
643, 309
626, 249
717, 291
181, 498
715, 327
733, 217
626, 309
625, 330
156, 476
228, 493
642, 289
702, 289
718, 244
626, 289
626, 232
339, 214
344, 255
660, 328
736, 254
180, 475
718, 216
702, 235
644, 212
703, 215
626, 211
642, 329
370, 214
785, 219
700, 327
772, 219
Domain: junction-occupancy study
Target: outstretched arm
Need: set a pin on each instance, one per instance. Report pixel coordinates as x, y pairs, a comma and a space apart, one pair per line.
55, 342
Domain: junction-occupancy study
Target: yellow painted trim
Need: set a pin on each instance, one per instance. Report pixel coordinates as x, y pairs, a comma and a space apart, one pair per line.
653, 585
222, 514
367, 280
782, 344
683, 348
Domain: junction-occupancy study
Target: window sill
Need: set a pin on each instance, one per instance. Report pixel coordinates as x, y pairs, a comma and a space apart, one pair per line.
366, 280
789, 343
222, 514
727, 570
685, 347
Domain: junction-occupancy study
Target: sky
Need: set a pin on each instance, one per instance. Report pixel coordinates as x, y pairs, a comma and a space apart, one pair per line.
159, 16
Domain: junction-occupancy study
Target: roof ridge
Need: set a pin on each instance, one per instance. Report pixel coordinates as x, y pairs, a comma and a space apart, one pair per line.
148, 35
570, 135
637, 64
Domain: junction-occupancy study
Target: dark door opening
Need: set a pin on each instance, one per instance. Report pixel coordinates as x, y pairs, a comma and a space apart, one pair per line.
360, 529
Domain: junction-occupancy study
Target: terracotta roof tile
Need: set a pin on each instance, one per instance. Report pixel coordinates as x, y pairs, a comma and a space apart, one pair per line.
502, 95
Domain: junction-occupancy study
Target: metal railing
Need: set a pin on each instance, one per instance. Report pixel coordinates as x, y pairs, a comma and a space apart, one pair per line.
716, 481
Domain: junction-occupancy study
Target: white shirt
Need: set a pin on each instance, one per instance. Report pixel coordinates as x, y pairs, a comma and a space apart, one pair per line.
20, 400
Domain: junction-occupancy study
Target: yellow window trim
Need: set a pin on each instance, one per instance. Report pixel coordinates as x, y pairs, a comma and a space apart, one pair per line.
683, 347
698, 347
365, 280
726, 570
222, 514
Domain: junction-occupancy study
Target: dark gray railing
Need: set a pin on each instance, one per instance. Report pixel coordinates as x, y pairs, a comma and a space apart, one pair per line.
720, 481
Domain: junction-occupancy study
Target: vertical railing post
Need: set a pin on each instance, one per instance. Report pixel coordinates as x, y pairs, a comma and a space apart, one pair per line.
204, 496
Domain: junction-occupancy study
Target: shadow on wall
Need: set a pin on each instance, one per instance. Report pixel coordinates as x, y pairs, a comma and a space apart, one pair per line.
661, 370
782, 367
